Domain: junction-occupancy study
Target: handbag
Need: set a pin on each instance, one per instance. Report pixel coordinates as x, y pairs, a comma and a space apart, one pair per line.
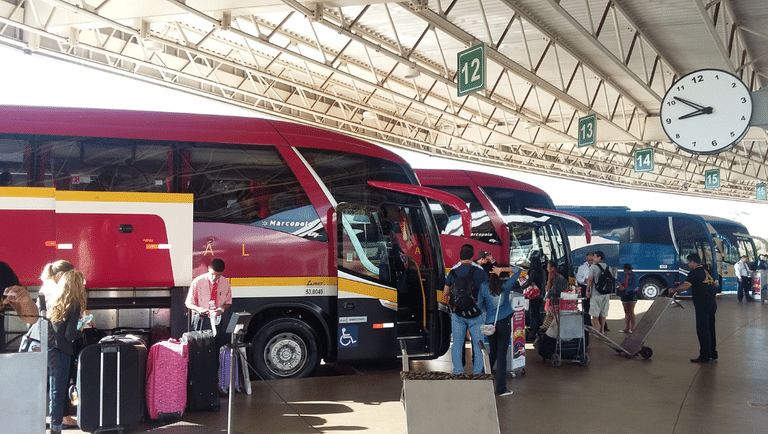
489, 329
531, 292
621, 292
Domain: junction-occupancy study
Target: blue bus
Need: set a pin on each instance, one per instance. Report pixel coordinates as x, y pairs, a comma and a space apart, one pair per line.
655, 243
732, 240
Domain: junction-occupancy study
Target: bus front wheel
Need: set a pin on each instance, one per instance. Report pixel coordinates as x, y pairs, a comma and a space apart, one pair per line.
650, 289
285, 348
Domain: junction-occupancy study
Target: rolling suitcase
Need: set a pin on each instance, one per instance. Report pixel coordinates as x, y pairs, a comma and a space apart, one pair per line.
166, 389
242, 376
110, 384
202, 373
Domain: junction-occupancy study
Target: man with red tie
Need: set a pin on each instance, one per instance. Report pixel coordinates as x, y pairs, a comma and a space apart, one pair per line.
209, 296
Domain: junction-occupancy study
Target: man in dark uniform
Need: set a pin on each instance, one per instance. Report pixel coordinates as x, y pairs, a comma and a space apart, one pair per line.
703, 295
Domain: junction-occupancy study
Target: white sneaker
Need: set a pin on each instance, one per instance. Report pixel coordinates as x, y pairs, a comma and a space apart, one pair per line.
506, 393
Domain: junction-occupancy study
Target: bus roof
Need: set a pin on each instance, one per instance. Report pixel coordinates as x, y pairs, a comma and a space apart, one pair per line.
622, 210
714, 219
130, 124
458, 177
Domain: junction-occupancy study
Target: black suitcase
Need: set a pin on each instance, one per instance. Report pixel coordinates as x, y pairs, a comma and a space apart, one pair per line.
203, 372
110, 384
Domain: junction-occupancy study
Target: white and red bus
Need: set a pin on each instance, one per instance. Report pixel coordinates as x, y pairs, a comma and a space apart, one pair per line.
310, 224
510, 219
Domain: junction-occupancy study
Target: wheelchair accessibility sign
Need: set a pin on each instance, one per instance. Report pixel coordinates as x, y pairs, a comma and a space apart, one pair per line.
348, 336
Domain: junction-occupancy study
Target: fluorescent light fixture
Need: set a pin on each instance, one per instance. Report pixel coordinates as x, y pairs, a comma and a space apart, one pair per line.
411, 73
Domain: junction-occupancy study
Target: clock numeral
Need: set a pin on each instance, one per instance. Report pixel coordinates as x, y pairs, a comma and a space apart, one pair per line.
743, 100
733, 85
714, 142
697, 78
668, 121
672, 102
733, 134
680, 88
693, 143
677, 136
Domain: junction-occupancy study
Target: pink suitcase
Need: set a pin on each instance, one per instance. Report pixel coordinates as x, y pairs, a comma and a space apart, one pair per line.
166, 390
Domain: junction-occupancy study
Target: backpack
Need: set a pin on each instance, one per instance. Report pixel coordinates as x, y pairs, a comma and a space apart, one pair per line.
464, 295
604, 284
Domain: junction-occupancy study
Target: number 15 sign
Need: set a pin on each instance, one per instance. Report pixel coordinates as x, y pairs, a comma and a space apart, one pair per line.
471, 65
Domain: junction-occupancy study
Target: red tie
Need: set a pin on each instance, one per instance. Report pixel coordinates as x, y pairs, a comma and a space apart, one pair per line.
214, 295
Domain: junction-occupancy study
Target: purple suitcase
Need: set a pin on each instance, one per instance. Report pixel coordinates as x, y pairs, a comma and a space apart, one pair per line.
166, 390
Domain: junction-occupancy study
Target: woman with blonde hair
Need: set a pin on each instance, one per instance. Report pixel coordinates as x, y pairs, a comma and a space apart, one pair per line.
64, 313
52, 272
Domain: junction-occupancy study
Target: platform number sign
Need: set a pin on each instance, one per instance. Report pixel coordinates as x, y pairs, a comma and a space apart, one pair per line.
471, 66
644, 160
588, 130
712, 179
760, 192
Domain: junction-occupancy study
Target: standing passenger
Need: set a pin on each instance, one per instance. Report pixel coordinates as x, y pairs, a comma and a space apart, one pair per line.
629, 300
465, 319
535, 276
494, 300
64, 313
598, 303
745, 279
704, 303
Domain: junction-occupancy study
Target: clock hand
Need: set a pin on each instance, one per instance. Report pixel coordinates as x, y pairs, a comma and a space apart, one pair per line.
701, 111
692, 104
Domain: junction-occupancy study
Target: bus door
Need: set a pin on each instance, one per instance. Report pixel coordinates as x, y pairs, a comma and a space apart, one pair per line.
27, 231
692, 236
390, 266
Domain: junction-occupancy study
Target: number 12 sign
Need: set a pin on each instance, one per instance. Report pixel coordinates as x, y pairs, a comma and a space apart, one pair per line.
471, 65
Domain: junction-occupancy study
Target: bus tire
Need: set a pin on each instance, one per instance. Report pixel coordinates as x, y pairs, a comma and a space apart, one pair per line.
650, 289
285, 348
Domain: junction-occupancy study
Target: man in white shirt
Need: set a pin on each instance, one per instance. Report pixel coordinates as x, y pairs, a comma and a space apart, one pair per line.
582, 274
743, 273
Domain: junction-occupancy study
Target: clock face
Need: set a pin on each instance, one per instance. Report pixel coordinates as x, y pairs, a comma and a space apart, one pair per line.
706, 111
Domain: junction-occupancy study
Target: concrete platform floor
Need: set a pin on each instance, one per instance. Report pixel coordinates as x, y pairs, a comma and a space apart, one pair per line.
613, 394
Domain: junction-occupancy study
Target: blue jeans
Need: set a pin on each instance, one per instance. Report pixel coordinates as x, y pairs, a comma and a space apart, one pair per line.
58, 377
499, 345
459, 328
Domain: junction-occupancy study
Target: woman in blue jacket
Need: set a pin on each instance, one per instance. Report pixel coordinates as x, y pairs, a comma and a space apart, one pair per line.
493, 299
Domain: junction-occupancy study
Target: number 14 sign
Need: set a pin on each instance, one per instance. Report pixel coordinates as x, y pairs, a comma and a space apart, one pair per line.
644, 160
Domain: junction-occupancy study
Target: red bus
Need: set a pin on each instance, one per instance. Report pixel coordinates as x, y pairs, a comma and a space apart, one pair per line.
510, 219
306, 220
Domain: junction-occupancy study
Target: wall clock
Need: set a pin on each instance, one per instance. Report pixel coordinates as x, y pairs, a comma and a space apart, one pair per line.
706, 111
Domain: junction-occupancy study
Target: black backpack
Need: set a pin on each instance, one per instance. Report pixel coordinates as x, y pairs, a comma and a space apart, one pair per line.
464, 295
606, 281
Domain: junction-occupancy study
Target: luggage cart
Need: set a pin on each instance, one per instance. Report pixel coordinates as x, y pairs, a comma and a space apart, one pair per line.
634, 343
570, 344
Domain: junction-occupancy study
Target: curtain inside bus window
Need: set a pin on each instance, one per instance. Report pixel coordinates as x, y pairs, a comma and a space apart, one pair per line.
250, 185
482, 228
